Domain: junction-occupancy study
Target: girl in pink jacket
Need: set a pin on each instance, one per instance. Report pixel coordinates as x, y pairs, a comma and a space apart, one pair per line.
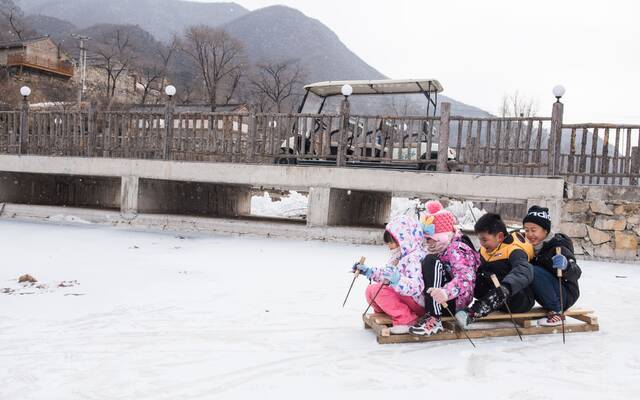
399, 285
449, 269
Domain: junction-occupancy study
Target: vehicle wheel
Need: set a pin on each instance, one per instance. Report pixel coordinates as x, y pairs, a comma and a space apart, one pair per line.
285, 161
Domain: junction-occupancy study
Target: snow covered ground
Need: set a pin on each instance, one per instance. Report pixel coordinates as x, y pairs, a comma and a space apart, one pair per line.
163, 316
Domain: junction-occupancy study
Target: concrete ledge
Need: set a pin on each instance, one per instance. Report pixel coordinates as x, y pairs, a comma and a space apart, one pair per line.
178, 223
400, 183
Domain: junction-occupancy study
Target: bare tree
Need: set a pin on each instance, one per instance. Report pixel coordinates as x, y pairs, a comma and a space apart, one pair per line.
153, 70
515, 105
115, 56
218, 57
11, 24
276, 84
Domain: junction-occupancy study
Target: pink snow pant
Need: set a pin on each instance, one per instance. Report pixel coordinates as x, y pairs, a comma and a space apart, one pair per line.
403, 310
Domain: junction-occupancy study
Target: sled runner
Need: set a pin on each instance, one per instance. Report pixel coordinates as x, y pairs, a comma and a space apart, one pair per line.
493, 325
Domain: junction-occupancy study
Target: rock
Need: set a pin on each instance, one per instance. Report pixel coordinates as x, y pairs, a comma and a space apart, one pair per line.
573, 230
624, 254
604, 251
611, 224
573, 206
627, 209
626, 241
634, 220
578, 250
600, 207
27, 278
588, 248
597, 236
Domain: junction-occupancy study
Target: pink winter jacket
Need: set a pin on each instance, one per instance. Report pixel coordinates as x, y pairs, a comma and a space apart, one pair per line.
408, 233
464, 262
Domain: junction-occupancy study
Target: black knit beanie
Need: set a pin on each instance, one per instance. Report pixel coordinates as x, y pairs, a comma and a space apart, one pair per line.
539, 216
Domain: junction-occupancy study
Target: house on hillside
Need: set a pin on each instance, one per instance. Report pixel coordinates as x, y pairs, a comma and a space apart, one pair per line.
38, 58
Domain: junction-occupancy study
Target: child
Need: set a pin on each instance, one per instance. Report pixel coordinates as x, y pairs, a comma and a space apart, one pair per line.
449, 269
507, 256
399, 284
546, 289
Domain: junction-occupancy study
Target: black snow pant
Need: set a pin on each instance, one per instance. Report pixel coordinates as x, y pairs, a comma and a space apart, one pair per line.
435, 275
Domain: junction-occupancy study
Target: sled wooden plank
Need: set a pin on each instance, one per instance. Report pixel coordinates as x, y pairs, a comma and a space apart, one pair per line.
535, 313
588, 318
484, 333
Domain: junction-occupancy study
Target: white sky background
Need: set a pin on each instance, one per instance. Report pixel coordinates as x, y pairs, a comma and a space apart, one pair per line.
480, 50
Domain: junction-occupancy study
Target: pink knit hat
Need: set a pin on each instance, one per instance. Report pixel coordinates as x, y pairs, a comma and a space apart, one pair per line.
437, 220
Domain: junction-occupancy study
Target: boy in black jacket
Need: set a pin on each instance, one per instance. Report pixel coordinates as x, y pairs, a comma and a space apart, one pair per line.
507, 257
546, 289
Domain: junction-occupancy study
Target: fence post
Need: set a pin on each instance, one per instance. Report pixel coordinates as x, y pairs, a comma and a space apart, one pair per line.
635, 165
555, 138
91, 128
251, 136
24, 126
342, 135
168, 128
443, 138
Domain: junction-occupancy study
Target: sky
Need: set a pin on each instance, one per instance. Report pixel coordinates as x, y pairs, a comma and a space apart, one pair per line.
483, 50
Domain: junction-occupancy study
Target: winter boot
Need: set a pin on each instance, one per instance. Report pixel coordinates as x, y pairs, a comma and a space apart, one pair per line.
490, 302
465, 317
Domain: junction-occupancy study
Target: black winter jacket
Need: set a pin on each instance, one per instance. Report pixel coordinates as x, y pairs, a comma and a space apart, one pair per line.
571, 274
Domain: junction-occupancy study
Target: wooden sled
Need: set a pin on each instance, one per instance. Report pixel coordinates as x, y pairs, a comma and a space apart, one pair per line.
493, 325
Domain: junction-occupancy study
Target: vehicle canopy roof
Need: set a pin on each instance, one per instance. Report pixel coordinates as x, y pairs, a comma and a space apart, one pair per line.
372, 87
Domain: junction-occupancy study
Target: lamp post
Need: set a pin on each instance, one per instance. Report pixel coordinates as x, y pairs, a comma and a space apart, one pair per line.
558, 92
556, 130
346, 91
25, 91
170, 91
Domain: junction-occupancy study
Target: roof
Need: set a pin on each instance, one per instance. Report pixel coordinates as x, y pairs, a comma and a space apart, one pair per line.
21, 43
381, 86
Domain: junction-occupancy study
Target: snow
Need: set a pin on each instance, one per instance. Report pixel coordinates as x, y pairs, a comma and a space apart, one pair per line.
295, 205
292, 205
164, 316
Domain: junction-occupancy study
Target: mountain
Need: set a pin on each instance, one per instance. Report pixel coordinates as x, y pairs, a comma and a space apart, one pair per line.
272, 33
159, 17
280, 32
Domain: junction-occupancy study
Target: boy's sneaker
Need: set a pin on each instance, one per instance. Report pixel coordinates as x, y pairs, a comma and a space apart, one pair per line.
399, 329
426, 326
553, 318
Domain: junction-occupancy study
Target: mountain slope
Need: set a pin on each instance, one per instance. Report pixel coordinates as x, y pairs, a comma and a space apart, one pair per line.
160, 17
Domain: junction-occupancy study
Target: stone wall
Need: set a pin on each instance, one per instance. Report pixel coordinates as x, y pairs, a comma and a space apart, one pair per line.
604, 222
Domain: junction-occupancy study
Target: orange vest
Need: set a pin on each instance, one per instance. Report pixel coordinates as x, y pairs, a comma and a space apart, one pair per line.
505, 249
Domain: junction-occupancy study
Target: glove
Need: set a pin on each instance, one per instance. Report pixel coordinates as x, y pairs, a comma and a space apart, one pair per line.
364, 270
559, 262
438, 294
391, 275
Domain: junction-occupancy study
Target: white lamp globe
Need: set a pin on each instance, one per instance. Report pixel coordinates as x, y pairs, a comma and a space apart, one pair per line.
170, 90
558, 91
25, 91
346, 90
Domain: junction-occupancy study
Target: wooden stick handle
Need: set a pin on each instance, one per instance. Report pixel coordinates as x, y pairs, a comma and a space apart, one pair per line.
360, 262
558, 270
495, 280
